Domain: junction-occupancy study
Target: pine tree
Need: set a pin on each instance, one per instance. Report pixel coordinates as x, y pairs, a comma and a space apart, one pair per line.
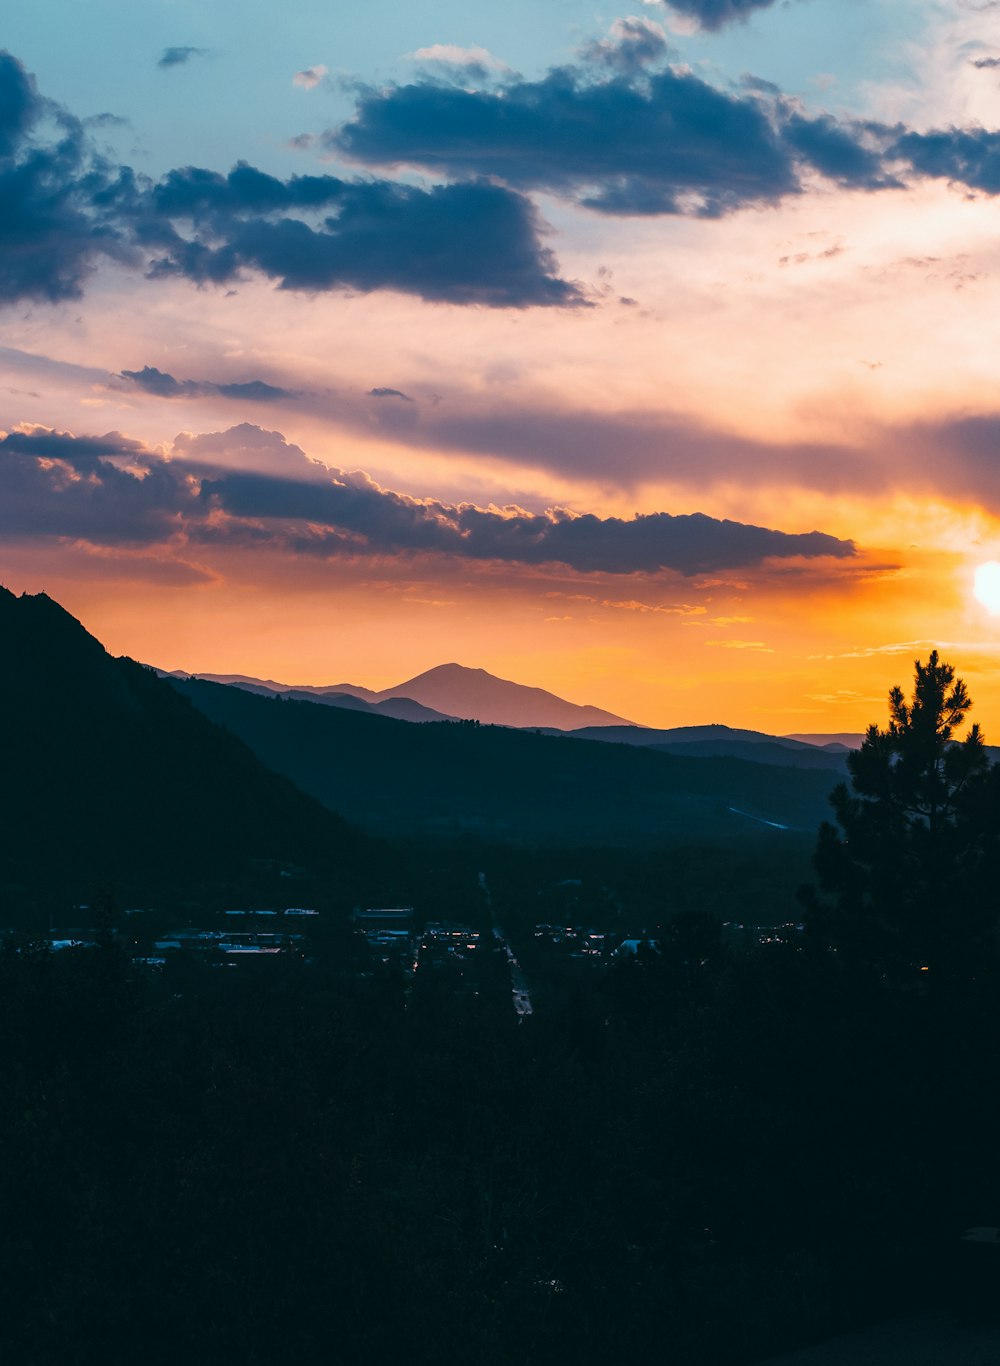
910, 873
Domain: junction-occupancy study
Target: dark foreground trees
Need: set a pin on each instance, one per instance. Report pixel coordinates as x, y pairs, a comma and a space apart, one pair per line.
293, 1165
910, 875
706, 1157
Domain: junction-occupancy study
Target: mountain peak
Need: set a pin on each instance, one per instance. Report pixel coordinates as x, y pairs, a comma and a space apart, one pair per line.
478, 695
455, 671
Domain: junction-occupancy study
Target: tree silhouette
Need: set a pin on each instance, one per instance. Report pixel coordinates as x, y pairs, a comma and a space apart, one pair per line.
910, 871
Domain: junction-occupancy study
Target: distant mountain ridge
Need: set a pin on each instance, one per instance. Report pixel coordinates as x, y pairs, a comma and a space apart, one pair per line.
845, 740
718, 741
447, 692
688, 735
399, 708
513, 785
452, 692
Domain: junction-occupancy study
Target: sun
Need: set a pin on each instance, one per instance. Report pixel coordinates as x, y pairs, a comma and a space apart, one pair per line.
986, 586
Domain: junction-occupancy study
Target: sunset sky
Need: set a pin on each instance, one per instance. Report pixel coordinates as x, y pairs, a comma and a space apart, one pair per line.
649, 356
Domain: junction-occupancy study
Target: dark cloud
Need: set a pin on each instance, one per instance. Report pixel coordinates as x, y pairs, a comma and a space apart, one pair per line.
56, 212
153, 381
631, 45
255, 391
20, 105
57, 485
47, 444
759, 85
178, 56
106, 120
838, 152
667, 144
52, 484
375, 520
203, 196
716, 14
389, 393
163, 385
659, 143
62, 207
469, 243
969, 156
986, 63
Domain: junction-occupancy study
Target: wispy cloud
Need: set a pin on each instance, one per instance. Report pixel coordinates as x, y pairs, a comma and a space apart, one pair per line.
180, 56
901, 647
758, 645
311, 77
451, 54
631, 45
163, 385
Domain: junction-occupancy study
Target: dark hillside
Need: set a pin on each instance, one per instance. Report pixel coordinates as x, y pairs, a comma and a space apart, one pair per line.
110, 774
461, 778
718, 741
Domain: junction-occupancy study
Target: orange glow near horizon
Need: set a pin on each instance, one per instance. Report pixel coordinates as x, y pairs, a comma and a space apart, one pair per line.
774, 654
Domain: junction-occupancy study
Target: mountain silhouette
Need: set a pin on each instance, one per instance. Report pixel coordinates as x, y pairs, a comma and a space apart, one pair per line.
451, 779
477, 695
111, 775
271, 685
401, 708
447, 692
466, 689
718, 741
840, 740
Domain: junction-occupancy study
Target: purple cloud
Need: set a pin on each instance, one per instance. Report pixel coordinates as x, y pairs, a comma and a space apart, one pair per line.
209, 495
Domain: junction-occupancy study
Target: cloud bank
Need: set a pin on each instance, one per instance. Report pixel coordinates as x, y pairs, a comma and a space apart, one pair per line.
954, 455
250, 487
670, 144
629, 142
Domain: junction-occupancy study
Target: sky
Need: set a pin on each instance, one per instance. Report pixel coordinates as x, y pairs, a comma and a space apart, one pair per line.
648, 355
